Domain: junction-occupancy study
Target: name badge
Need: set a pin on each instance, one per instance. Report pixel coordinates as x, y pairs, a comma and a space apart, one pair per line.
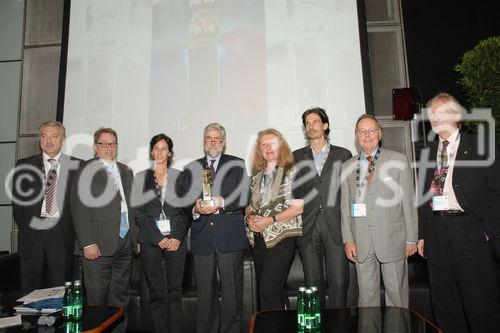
163, 225
124, 208
358, 210
440, 202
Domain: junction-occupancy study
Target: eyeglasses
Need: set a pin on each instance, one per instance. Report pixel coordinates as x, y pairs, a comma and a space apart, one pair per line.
107, 144
369, 131
212, 141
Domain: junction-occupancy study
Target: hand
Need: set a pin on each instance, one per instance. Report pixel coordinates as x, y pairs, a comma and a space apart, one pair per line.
164, 243
138, 248
350, 251
91, 252
420, 247
259, 223
207, 210
173, 245
410, 249
250, 218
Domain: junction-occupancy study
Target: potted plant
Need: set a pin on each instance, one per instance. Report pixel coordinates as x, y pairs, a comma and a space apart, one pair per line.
480, 77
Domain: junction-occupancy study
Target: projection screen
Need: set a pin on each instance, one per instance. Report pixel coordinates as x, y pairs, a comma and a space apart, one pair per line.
144, 67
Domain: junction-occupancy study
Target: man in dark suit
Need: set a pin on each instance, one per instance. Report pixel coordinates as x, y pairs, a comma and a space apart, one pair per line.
459, 219
218, 238
318, 178
41, 210
104, 221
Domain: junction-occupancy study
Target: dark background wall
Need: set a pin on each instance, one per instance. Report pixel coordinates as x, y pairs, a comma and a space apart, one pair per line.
437, 34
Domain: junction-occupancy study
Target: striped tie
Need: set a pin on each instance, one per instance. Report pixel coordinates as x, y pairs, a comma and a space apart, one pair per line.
51, 189
212, 169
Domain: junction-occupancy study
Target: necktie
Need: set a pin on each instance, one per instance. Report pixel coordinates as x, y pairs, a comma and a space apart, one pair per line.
51, 188
115, 177
441, 171
212, 169
370, 176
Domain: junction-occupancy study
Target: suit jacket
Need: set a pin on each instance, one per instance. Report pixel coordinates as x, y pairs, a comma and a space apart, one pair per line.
26, 216
477, 188
225, 230
389, 225
324, 190
96, 207
150, 210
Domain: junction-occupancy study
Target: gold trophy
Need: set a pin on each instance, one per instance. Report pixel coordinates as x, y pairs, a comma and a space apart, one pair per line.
207, 189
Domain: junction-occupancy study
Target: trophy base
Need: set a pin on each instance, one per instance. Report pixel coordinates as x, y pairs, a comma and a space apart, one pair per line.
207, 203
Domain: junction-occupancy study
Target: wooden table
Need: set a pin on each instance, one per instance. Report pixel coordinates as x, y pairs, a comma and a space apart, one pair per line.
347, 320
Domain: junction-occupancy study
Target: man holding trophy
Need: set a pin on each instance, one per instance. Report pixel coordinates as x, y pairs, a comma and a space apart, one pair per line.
217, 185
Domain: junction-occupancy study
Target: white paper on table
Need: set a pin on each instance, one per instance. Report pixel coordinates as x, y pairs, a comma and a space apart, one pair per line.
10, 321
30, 311
39, 294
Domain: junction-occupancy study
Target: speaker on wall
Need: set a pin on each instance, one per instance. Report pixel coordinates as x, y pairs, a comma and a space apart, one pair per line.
406, 102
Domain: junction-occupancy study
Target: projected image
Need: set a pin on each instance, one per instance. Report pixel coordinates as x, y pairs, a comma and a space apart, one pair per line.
208, 64
173, 66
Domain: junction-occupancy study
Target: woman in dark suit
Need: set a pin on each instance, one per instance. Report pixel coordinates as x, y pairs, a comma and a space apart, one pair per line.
163, 226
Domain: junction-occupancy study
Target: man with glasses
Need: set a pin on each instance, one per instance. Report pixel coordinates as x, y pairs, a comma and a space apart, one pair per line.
41, 210
319, 165
218, 237
104, 222
379, 217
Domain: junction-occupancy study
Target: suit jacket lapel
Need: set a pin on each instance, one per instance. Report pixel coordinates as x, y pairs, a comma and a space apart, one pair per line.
62, 181
376, 171
124, 180
328, 163
432, 158
462, 150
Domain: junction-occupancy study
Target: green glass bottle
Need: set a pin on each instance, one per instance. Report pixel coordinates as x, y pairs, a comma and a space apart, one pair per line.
309, 315
301, 303
68, 301
78, 301
317, 306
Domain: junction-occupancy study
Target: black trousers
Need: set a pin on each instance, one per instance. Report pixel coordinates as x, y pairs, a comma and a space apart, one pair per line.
165, 285
323, 247
272, 267
212, 316
462, 273
48, 264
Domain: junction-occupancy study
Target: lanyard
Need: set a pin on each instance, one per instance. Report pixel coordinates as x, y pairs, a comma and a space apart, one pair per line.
371, 167
161, 191
266, 181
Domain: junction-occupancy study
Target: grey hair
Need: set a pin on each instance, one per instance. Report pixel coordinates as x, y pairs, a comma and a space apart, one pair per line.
450, 101
53, 123
215, 127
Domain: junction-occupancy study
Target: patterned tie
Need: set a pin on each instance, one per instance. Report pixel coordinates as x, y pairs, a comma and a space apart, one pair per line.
51, 188
370, 176
441, 171
212, 169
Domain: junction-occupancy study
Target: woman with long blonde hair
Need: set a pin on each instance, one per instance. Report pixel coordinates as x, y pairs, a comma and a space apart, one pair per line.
273, 217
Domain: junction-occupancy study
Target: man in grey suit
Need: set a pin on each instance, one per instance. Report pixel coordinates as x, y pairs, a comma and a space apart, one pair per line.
318, 183
379, 217
104, 220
